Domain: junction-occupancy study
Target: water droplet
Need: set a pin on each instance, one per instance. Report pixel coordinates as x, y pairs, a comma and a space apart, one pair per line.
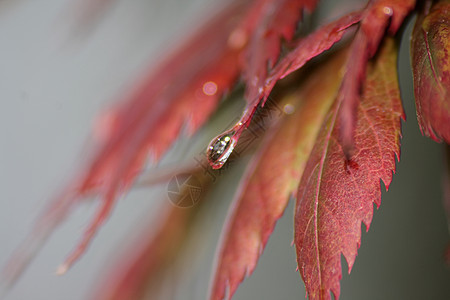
221, 147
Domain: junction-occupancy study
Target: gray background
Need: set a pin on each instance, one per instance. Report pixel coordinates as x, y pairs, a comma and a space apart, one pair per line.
53, 84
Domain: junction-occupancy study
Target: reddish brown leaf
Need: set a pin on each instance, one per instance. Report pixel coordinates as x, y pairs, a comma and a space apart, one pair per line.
335, 195
270, 22
430, 51
271, 178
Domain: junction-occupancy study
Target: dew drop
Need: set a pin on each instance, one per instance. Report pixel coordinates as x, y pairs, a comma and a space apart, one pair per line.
221, 147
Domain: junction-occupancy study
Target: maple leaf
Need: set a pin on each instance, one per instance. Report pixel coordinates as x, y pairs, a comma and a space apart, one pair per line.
374, 20
335, 195
342, 139
311, 46
430, 58
183, 87
182, 92
271, 178
141, 125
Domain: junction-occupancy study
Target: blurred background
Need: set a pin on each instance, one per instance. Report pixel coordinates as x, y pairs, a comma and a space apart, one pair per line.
60, 67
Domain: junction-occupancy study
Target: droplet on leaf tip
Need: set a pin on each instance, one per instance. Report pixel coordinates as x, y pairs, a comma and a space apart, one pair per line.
220, 148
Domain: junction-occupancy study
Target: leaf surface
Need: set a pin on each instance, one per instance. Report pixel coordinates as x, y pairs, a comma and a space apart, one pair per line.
430, 51
335, 195
271, 178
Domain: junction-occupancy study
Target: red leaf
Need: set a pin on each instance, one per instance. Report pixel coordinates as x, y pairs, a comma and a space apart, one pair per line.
270, 22
308, 48
183, 91
187, 88
336, 195
375, 18
372, 29
430, 50
270, 180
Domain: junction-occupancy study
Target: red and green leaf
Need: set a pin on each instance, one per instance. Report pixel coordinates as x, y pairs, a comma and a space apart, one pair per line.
271, 178
430, 54
335, 195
